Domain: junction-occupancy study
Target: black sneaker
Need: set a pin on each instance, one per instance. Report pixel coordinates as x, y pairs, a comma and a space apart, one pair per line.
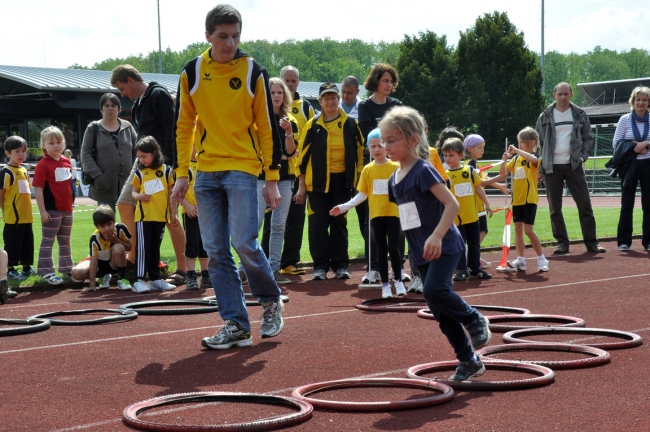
481, 274
479, 331
190, 281
230, 335
206, 282
462, 275
468, 369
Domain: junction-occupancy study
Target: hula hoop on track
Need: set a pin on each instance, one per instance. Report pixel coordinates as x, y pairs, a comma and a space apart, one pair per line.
130, 415
284, 298
557, 320
446, 394
599, 356
30, 325
632, 339
426, 313
121, 315
399, 304
544, 375
200, 306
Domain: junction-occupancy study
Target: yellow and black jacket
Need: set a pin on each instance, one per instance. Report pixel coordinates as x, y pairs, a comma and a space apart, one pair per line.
233, 103
314, 159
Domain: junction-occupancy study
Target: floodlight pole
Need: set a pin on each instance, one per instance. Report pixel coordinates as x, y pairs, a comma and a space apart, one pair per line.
159, 41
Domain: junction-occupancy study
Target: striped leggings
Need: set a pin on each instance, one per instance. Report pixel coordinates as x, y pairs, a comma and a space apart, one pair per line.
59, 226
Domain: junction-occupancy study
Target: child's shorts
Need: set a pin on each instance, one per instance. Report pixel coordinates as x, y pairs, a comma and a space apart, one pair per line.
104, 268
482, 223
524, 213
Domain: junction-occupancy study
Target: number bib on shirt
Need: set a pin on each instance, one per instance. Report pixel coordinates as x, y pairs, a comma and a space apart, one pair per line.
23, 187
464, 189
62, 174
153, 186
520, 173
408, 216
380, 187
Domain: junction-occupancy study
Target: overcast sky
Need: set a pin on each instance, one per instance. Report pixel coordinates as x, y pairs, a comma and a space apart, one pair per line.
59, 33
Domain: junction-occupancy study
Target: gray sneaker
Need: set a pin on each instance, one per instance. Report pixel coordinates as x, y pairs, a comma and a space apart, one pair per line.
479, 331
230, 335
416, 285
206, 282
342, 274
190, 281
272, 322
468, 369
319, 275
280, 279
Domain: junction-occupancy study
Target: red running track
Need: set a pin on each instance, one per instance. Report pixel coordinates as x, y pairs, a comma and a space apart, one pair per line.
82, 378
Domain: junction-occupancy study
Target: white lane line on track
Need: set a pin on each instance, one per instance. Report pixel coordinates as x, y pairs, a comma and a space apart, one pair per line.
195, 406
152, 334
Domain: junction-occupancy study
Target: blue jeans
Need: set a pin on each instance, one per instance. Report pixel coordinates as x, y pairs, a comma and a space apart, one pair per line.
278, 219
227, 208
449, 309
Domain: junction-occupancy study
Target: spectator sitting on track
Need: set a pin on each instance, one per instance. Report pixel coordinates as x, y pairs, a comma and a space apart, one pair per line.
417, 189
5, 291
108, 247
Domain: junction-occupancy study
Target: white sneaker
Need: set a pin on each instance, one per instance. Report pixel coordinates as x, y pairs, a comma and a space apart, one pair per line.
371, 277
517, 264
416, 285
124, 284
542, 265
161, 285
399, 288
386, 292
141, 286
106, 281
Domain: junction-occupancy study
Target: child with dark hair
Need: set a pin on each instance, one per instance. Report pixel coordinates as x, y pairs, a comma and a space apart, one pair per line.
16, 203
152, 184
108, 247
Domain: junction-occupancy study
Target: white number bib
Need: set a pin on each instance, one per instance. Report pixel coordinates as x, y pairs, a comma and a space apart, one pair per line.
153, 186
520, 173
62, 174
464, 189
23, 187
380, 187
408, 216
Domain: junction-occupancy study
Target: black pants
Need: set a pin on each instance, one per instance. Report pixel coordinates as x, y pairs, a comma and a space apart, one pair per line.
628, 197
19, 244
193, 243
328, 235
387, 232
293, 230
150, 236
471, 233
363, 214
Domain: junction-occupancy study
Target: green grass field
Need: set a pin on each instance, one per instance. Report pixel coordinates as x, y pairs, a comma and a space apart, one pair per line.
606, 220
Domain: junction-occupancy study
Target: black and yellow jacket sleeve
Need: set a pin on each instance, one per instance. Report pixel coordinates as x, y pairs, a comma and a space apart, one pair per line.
233, 103
314, 159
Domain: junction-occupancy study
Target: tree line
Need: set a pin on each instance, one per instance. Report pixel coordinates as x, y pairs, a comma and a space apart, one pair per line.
490, 83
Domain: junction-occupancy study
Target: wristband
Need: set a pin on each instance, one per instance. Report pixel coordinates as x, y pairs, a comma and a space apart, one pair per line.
289, 136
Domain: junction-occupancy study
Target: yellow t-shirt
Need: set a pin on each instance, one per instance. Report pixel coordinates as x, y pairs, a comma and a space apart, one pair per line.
462, 182
524, 182
434, 159
374, 183
156, 182
101, 248
18, 199
336, 145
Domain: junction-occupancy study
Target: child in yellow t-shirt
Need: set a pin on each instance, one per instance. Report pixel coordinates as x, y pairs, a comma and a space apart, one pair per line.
384, 216
152, 185
465, 184
524, 164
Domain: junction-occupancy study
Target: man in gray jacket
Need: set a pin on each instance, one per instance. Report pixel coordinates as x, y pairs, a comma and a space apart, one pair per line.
565, 139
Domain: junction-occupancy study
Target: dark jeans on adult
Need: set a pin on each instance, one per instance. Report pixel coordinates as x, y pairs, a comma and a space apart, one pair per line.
449, 309
471, 233
328, 235
577, 184
628, 197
